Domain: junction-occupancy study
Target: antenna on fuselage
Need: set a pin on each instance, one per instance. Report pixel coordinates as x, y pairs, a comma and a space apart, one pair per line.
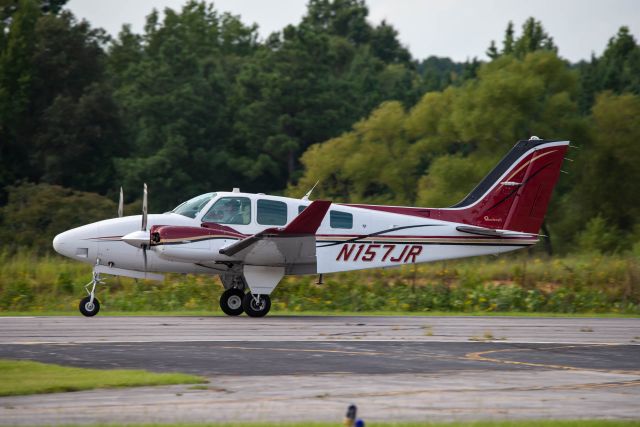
306, 196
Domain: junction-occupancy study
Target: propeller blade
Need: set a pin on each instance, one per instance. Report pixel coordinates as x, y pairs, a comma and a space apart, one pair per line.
144, 208
121, 204
144, 257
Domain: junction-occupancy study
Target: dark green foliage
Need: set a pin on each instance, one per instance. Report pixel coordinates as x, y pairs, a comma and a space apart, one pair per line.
174, 85
9, 7
34, 214
208, 107
310, 83
438, 73
533, 38
616, 70
58, 121
16, 76
603, 206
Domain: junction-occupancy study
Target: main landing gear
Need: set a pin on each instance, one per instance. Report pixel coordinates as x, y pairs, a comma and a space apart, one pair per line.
231, 302
90, 306
256, 305
234, 302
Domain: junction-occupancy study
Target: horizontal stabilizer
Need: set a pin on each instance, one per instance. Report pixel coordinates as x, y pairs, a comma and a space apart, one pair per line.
482, 231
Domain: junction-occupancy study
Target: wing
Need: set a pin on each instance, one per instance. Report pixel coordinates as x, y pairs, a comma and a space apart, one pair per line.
293, 244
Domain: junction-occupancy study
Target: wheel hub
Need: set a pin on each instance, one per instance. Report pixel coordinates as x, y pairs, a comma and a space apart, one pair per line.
89, 306
234, 302
257, 304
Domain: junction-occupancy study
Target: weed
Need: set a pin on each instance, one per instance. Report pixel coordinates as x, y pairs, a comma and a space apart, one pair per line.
573, 284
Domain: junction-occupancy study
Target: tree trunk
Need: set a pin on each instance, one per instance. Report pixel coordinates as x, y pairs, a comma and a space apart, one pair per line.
547, 240
291, 164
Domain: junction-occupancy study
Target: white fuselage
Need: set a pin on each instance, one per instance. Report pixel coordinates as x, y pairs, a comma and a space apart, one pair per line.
346, 240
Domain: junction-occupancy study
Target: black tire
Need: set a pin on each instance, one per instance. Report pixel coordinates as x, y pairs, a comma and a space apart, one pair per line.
254, 309
231, 302
89, 310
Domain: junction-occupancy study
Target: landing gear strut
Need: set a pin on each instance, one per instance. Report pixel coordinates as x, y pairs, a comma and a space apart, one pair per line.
231, 302
256, 305
90, 306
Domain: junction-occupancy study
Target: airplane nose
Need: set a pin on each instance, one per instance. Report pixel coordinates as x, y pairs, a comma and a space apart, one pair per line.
63, 244
77, 243
58, 243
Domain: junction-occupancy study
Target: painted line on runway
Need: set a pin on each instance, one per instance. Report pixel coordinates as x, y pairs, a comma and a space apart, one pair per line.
347, 352
479, 356
301, 350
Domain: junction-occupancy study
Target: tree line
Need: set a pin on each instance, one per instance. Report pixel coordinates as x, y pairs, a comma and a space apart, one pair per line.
198, 102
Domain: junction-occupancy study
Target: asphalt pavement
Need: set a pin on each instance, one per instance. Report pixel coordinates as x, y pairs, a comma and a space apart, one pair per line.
310, 368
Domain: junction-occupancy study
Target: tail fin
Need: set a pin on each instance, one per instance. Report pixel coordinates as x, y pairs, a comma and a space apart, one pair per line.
516, 193
513, 196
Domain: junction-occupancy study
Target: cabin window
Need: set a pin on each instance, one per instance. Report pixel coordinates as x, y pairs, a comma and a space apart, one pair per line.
301, 208
271, 212
339, 219
230, 210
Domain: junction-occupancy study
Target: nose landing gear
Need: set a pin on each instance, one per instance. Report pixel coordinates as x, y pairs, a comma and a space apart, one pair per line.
90, 306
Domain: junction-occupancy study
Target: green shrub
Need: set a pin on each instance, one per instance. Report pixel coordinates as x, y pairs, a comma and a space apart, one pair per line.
578, 284
598, 237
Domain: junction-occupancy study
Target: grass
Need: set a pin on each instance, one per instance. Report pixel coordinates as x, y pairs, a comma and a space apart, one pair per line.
524, 423
585, 285
20, 377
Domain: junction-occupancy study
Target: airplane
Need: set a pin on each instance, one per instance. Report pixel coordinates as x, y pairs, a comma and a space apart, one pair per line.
251, 241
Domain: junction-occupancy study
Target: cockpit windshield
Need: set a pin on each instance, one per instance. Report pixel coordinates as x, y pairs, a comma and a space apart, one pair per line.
191, 207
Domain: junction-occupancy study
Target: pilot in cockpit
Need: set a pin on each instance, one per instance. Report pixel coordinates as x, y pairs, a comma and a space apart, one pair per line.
231, 212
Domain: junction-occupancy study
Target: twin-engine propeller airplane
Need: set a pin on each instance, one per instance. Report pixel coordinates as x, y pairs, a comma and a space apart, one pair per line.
252, 240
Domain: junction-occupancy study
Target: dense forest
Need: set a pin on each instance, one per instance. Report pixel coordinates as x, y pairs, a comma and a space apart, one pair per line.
199, 102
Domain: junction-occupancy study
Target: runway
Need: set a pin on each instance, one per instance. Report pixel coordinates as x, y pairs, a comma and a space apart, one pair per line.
310, 368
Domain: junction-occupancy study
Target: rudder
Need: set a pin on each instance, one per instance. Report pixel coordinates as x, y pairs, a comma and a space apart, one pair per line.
515, 194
